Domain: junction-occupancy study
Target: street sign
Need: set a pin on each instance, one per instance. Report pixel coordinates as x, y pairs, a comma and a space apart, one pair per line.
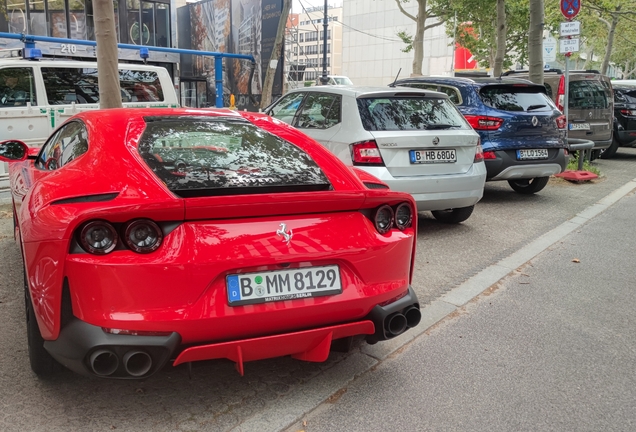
571, 28
569, 45
549, 49
570, 8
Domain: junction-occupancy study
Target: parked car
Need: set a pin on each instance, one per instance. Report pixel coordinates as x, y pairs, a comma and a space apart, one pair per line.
590, 106
334, 80
522, 132
624, 118
414, 141
266, 248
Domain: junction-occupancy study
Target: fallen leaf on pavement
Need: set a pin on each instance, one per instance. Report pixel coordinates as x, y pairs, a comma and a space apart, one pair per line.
576, 260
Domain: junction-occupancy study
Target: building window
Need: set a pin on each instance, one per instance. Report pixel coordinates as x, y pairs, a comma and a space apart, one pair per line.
302, 37
148, 23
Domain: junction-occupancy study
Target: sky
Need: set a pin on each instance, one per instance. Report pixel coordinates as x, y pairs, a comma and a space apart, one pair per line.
296, 4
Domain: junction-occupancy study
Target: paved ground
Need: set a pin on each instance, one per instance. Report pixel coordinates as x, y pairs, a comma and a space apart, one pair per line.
217, 398
552, 348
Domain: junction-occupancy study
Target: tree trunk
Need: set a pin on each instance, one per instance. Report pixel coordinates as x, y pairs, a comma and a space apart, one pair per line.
589, 59
107, 59
501, 38
418, 40
610, 40
268, 84
535, 42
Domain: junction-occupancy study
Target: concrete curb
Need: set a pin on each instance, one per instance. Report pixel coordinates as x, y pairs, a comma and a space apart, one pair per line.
290, 409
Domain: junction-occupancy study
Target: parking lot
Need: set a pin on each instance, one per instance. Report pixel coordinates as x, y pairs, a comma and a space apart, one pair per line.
215, 397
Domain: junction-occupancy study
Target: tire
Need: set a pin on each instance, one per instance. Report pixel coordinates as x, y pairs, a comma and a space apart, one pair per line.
453, 216
595, 154
609, 152
529, 186
41, 361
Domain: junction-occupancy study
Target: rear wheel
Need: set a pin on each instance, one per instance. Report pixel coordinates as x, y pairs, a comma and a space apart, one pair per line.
595, 154
453, 216
609, 152
529, 186
41, 361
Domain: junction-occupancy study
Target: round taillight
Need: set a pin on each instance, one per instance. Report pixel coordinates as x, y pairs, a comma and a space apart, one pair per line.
403, 216
143, 236
383, 219
98, 237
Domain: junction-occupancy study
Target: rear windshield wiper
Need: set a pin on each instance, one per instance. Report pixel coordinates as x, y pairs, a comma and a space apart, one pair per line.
534, 107
440, 126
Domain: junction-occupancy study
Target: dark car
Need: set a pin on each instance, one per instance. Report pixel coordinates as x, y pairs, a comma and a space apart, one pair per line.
624, 119
522, 131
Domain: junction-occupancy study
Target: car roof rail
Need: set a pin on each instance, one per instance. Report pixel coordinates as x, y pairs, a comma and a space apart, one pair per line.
586, 71
525, 71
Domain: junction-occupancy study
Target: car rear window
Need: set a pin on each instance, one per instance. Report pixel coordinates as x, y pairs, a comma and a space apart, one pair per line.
212, 156
79, 85
516, 98
408, 113
625, 96
588, 94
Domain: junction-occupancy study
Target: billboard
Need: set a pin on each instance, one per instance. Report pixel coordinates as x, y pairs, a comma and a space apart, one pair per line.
231, 26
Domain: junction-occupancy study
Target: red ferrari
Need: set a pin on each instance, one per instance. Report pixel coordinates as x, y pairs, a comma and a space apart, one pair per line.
152, 236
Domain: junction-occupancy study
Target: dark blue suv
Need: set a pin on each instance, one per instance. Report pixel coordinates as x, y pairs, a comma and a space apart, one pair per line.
522, 131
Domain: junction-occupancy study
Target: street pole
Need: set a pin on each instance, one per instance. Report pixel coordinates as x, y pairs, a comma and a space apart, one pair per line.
325, 25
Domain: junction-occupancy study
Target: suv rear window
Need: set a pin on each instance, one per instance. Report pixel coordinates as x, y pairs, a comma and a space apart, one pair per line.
625, 96
514, 98
409, 113
210, 156
79, 85
588, 94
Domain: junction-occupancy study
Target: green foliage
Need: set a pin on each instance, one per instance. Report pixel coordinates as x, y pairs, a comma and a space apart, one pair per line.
573, 164
408, 41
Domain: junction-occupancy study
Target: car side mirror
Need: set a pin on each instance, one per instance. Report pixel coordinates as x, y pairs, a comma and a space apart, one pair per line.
13, 151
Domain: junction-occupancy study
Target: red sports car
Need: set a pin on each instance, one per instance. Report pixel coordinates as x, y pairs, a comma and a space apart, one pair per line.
158, 235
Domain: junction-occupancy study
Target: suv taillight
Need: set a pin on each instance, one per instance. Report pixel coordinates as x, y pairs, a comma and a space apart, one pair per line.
561, 94
366, 153
561, 122
484, 122
628, 112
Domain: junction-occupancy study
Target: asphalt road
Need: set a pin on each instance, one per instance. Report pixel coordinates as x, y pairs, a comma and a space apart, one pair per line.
551, 349
217, 398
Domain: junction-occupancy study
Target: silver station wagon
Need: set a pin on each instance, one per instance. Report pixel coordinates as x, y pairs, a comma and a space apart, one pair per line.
415, 141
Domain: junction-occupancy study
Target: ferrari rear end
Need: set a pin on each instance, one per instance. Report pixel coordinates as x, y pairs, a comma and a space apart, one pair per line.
278, 249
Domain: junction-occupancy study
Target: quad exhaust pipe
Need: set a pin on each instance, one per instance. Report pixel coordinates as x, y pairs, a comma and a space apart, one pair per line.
104, 362
137, 363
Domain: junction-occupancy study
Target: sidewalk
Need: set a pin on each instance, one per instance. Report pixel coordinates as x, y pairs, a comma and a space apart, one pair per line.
552, 347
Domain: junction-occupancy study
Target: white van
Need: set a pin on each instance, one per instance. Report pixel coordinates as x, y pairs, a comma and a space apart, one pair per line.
37, 96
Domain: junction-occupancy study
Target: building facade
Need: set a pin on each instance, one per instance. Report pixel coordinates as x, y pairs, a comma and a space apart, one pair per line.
304, 44
372, 52
137, 22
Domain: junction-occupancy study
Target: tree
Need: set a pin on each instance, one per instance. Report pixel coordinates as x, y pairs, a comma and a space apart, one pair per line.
535, 42
416, 43
501, 38
268, 84
107, 58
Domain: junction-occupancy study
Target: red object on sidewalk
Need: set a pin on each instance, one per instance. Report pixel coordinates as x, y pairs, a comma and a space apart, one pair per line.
577, 176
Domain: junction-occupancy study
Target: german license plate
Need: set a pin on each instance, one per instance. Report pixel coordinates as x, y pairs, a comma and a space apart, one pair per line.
433, 156
532, 154
279, 285
579, 126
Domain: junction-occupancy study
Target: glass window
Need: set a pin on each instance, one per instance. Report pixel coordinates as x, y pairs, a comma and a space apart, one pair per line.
453, 94
148, 21
285, 109
79, 85
587, 94
221, 156
625, 96
37, 19
57, 18
548, 89
77, 18
17, 87
16, 16
517, 98
162, 25
409, 113
67, 144
319, 111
